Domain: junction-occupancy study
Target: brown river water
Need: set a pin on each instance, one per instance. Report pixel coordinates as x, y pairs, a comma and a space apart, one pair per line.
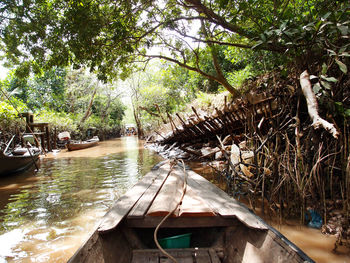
45, 216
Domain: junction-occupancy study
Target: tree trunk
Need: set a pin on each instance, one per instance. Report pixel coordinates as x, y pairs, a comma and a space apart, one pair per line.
104, 113
312, 106
88, 111
138, 122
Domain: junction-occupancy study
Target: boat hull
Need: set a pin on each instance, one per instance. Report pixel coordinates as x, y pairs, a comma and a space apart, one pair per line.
233, 234
14, 164
83, 145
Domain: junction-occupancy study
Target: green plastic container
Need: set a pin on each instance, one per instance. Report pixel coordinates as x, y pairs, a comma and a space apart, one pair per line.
180, 241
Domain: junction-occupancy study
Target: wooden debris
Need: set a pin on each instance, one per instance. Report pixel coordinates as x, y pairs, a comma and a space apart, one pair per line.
231, 119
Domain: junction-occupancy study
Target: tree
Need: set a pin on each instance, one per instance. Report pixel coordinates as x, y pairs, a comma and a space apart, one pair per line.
47, 90
107, 104
44, 91
41, 33
135, 86
81, 88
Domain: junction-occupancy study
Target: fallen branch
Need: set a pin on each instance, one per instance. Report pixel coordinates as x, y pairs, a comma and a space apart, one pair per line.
312, 106
193, 152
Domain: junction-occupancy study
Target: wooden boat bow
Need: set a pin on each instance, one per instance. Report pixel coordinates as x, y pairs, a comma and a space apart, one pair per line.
222, 229
159, 192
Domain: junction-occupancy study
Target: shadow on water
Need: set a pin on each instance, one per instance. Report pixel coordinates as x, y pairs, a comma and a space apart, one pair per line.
47, 215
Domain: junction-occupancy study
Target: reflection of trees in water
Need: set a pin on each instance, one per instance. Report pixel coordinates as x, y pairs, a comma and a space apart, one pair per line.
53, 198
68, 187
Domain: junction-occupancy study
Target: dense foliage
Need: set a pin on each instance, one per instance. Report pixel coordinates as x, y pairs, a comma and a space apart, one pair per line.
69, 100
39, 34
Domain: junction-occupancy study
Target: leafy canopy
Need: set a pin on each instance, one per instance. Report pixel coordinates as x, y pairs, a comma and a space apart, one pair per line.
110, 35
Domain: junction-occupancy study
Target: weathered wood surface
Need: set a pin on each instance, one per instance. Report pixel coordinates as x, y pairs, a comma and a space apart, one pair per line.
124, 204
143, 204
191, 255
154, 197
233, 118
72, 146
219, 201
201, 199
194, 205
168, 197
16, 163
181, 222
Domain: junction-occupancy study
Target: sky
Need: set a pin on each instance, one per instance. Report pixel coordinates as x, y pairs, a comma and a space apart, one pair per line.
3, 72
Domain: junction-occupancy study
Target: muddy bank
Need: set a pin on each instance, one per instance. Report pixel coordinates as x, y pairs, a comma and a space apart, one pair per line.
318, 246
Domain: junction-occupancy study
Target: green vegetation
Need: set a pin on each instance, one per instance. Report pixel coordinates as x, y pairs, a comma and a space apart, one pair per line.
69, 100
39, 34
201, 48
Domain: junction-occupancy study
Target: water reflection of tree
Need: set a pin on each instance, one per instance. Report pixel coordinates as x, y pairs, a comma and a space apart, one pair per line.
68, 187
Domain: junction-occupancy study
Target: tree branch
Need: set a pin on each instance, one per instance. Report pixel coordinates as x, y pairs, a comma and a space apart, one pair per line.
221, 81
312, 106
216, 19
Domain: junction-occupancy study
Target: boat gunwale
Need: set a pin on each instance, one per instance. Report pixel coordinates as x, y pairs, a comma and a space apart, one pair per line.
123, 221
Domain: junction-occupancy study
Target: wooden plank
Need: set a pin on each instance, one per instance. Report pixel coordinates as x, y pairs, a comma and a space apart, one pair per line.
202, 256
193, 205
186, 255
145, 256
213, 256
144, 203
183, 256
181, 222
219, 201
168, 197
124, 204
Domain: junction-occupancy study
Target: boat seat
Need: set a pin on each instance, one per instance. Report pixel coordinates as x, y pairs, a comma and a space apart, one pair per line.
188, 255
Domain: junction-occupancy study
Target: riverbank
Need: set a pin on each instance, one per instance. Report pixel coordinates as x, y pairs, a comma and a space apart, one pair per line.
316, 245
49, 214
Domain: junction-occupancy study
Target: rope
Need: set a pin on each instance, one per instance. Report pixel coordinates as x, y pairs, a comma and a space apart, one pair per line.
31, 155
168, 215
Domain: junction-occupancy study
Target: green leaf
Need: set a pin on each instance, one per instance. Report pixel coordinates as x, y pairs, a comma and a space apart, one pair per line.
318, 24
325, 24
325, 84
257, 44
329, 79
342, 49
347, 112
325, 16
344, 54
343, 30
331, 52
342, 66
316, 88
324, 69
313, 77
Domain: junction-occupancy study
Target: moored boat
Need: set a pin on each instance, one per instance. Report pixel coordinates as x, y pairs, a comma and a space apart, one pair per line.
205, 225
78, 145
18, 160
